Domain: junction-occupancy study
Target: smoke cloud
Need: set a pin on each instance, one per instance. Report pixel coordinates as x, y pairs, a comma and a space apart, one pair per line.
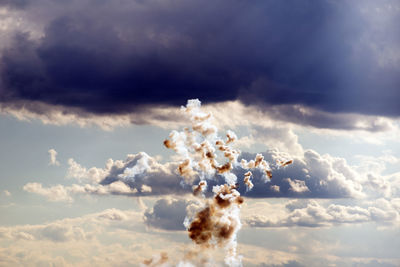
206, 156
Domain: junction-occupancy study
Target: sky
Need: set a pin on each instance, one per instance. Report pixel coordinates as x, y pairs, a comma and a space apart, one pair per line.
91, 89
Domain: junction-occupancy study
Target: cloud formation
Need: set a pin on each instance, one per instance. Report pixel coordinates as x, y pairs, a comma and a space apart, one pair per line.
311, 213
85, 241
137, 175
167, 214
53, 157
68, 229
117, 237
14, 3
326, 56
311, 175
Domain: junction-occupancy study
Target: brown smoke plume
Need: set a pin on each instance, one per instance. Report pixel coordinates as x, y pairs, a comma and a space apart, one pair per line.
284, 163
217, 224
247, 180
218, 221
157, 260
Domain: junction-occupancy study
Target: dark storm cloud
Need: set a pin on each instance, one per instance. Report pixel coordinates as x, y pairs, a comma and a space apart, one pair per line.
14, 3
115, 56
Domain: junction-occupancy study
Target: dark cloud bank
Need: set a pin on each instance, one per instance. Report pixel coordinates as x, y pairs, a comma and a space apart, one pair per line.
14, 3
111, 57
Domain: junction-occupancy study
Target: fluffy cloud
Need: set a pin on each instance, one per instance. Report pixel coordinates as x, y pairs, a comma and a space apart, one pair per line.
380, 182
137, 175
311, 175
311, 213
54, 193
85, 241
67, 230
118, 237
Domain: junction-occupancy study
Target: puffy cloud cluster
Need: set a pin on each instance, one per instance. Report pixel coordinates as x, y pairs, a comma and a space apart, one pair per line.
381, 181
137, 175
117, 237
311, 213
66, 230
54, 193
311, 175
85, 241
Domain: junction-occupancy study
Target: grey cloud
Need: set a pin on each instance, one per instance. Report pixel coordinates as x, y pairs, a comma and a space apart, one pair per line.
60, 115
167, 214
56, 233
14, 3
304, 115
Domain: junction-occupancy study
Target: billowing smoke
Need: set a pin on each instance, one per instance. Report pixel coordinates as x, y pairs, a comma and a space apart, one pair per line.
206, 156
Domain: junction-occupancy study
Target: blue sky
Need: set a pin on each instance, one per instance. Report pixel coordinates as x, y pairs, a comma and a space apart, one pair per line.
89, 90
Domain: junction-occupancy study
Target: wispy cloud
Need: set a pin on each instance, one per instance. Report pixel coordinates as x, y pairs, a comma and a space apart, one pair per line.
53, 157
